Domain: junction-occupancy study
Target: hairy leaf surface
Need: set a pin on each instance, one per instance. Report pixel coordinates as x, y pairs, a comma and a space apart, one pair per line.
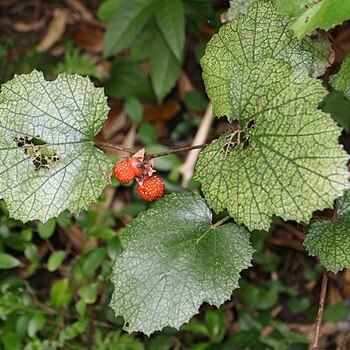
64, 115
260, 34
330, 239
291, 164
173, 261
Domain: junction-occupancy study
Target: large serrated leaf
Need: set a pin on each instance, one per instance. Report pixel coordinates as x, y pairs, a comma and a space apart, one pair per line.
290, 163
173, 261
341, 80
258, 35
65, 114
330, 239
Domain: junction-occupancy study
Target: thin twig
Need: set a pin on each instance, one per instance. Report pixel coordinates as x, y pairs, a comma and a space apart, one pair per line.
150, 155
175, 150
220, 222
116, 147
317, 330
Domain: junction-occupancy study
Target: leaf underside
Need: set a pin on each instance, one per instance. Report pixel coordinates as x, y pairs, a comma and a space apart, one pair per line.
173, 261
65, 115
293, 164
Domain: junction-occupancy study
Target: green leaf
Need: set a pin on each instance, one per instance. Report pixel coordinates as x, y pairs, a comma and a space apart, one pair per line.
336, 313
321, 51
341, 80
88, 293
338, 107
174, 260
126, 23
290, 163
170, 17
292, 8
107, 9
35, 324
93, 261
165, 68
243, 41
8, 261
55, 260
237, 7
66, 114
46, 230
330, 240
61, 294
127, 79
324, 15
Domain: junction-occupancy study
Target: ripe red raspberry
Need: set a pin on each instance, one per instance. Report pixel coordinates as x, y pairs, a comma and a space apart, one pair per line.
151, 188
124, 171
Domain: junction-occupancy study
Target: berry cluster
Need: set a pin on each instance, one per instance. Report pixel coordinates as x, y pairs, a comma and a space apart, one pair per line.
149, 186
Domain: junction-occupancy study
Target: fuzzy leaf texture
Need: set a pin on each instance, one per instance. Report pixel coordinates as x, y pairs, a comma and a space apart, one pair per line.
66, 114
291, 164
341, 80
244, 41
173, 261
330, 239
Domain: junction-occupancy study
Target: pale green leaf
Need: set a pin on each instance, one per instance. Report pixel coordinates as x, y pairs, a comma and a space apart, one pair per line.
237, 7
126, 23
260, 34
326, 14
173, 261
292, 163
66, 114
55, 260
170, 17
341, 80
292, 8
321, 51
8, 261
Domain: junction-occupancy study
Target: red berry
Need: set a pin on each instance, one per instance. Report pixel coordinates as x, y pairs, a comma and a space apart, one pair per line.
151, 188
124, 171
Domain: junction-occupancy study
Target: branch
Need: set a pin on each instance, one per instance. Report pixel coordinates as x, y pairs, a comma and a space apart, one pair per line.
151, 155
317, 330
173, 151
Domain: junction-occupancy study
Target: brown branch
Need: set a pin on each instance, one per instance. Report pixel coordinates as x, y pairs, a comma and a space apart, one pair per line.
151, 155
316, 334
116, 147
174, 151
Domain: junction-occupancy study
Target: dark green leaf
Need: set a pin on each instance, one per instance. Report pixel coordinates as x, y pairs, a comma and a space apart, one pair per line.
165, 68
127, 79
126, 23
173, 261
170, 17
